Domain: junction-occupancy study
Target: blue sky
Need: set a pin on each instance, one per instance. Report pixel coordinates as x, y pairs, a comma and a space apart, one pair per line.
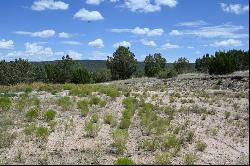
92, 29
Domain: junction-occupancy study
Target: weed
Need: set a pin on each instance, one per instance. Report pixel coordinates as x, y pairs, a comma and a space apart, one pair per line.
52, 124
189, 159
109, 119
163, 158
94, 100
120, 138
190, 136
94, 118
29, 128
65, 103
83, 106
5, 103
31, 114
42, 132
91, 129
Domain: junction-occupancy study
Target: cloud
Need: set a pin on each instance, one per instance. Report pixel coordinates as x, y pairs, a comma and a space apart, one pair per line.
192, 23
94, 2
4, 44
146, 5
220, 31
169, 45
86, 15
190, 47
141, 31
98, 43
234, 8
42, 34
148, 43
175, 33
97, 55
49, 5
227, 43
33, 49
64, 35
71, 42
123, 43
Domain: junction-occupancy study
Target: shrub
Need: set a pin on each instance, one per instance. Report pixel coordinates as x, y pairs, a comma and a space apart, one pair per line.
49, 115
91, 129
123, 161
32, 113
109, 119
182, 65
5, 103
28, 89
42, 132
65, 103
101, 76
83, 106
120, 138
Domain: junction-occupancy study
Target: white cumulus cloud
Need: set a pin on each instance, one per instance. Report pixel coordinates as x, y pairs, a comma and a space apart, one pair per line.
175, 33
141, 31
169, 45
94, 2
86, 15
234, 8
227, 43
123, 43
49, 5
4, 44
98, 43
64, 35
42, 34
148, 43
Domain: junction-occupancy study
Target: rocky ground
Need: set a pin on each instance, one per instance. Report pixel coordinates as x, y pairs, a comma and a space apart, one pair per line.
199, 119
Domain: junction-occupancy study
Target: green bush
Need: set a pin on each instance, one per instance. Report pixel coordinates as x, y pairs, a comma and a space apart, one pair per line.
81, 76
123, 161
5, 103
94, 100
167, 74
91, 129
101, 76
32, 113
154, 64
49, 115
94, 118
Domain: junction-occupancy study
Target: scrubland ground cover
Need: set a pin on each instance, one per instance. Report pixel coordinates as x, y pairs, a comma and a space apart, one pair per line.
183, 120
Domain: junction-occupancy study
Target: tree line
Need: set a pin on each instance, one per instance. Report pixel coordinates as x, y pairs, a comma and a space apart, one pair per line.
122, 65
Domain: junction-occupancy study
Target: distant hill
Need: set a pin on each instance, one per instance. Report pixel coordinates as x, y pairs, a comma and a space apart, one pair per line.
95, 65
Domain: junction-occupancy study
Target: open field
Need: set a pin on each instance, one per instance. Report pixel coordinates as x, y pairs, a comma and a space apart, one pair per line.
191, 119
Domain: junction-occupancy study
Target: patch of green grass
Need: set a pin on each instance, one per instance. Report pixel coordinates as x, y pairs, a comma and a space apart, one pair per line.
49, 115
109, 119
94, 118
189, 159
65, 103
201, 146
126, 119
28, 89
31, 114
42, 132
171, 141
123, 161
150, 144
94, 100
5, 103
91, 128
227, 115
83, 106
190, 136
29, 128
163, 158
120, 138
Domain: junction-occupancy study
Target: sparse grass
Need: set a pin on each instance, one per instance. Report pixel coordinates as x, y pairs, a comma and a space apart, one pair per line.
6, 139
91, 128
83, 106
163, 158
109, 119
150, 144
201, 146
42, 132
5, 103
120, 138
49, 115
103, 103
65, 103
227, 115
31, 114
30, 128
171, 141
52, 124
94, 100
94, 118
189, 159
123, 161
190, 136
